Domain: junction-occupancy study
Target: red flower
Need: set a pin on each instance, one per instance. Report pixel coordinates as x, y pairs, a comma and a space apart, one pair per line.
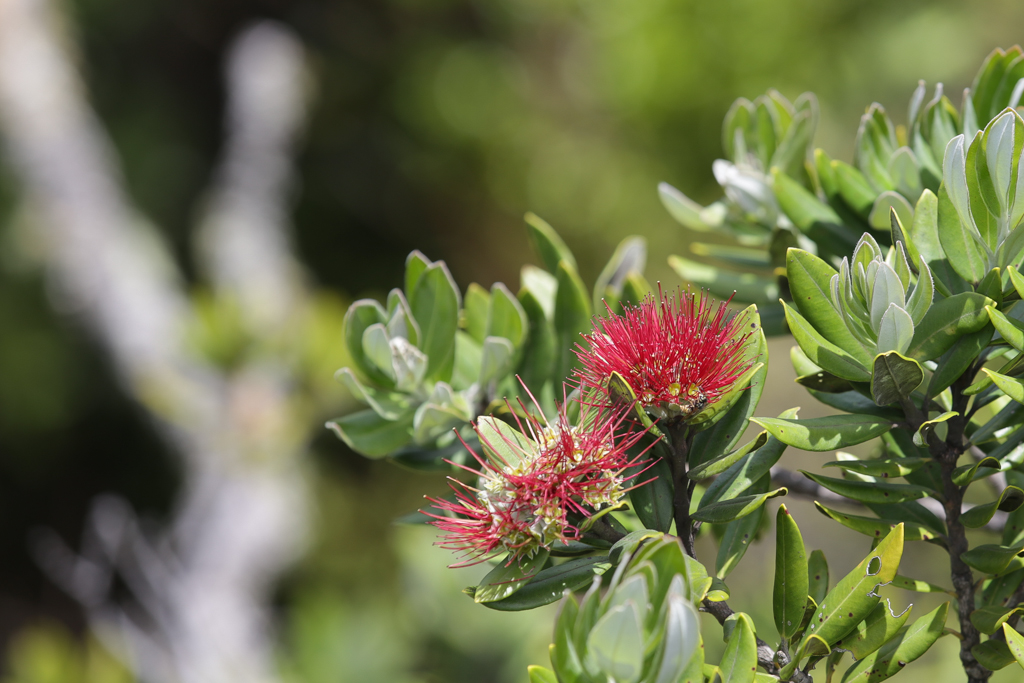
522, 506
679, 353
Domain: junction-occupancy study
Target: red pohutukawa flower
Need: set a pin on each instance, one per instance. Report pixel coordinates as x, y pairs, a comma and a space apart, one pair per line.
530, 483
679, 353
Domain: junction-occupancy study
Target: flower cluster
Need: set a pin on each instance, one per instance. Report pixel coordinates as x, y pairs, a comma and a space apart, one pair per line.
532, 484
678, 353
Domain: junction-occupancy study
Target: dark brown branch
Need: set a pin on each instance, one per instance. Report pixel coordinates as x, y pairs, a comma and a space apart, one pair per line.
947, 453
605, 532
681, 484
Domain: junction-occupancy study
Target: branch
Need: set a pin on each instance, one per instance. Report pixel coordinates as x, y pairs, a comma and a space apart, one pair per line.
765, 654
244, 237
242, 517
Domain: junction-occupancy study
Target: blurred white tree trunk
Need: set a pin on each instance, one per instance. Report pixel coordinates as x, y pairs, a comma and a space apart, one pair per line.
202, 583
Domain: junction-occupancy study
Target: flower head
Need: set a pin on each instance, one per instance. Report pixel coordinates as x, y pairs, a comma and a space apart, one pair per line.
678, 353
533, 483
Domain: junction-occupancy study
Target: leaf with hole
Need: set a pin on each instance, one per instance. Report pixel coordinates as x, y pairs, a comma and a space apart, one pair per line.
878, 628
909, 644
854, 596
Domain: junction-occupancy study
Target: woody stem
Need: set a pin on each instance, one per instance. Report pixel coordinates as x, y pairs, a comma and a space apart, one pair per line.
677, 433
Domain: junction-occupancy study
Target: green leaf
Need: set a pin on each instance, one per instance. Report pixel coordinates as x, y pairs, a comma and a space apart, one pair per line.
1015, 642
881, 467
719, 464
548, 244
502, 443
538, 351
958, 359
719, 591
371, 435
435, 304
799, 204
725, 433
615, 645
358, 318
538, 674
572, 317
824, 353
825, 433
509, 576
912, 642
825, 382
878, 628
960, 246
993, 654
739, 661
1010, 330
876, 528
817, 576
738, 536
946, 321
506, 317
683, 656
630, 543
909, 584
744, 257
722, 283
735, 508
1011, 386
991, 558
854, 188
854, 596
477, 309
548, 585
1016, 279
682, 208
896, 327
634, 289
870, 491
856, 402
809, 279
980, 515
740, 476
629, 257
986, 467
415, 265
390, 405
894, 378
926, 428
789, 597
497, 358
990, 619
652, 502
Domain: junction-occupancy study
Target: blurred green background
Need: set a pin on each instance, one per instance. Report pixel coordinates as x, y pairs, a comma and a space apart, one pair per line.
435, 125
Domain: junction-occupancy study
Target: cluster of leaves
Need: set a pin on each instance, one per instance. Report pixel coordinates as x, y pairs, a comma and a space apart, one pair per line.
900, 280
432, 360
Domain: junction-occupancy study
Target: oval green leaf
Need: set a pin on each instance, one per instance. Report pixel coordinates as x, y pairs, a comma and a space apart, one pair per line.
825, 433
789, 597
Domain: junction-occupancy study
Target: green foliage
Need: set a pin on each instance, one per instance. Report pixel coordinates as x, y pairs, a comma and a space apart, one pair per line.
901, 287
